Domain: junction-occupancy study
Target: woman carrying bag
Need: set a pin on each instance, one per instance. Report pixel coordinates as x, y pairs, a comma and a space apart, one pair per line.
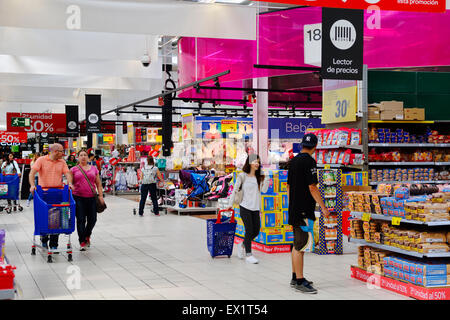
88, 203
148, 177
247, 194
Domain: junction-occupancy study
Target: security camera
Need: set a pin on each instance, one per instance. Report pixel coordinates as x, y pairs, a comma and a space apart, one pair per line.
145, 60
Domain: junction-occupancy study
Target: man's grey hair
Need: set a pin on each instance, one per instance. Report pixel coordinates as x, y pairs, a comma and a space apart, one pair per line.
55, 147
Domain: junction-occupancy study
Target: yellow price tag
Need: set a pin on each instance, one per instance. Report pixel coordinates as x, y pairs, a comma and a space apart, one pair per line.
396, 221
339, 105
366, 217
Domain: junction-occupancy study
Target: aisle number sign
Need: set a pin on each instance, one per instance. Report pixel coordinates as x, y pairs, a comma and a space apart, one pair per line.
229, 126
339, 104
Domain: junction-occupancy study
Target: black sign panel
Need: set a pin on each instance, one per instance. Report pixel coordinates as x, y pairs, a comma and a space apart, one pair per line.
342, 44
72, 124
93, 113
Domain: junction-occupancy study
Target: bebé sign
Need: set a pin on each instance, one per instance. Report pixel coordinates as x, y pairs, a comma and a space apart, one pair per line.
294, 128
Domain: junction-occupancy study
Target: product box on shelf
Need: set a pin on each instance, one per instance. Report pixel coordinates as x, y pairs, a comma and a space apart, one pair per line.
288, 236
269, 203
271, 219
240, 230
284, 203
270, 236
414, 114
391, 106
285, 214
374, 112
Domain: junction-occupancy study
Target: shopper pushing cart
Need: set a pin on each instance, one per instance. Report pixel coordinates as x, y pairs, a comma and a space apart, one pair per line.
10, 184
50, 169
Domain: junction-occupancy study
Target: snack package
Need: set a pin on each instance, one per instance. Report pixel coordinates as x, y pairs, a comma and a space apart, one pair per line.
335, 157
321, 157
355, 137
344, 136
336, 137
347, 155
330, 137
327, 156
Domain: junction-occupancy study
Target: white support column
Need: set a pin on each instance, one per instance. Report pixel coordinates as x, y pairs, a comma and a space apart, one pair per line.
261, 121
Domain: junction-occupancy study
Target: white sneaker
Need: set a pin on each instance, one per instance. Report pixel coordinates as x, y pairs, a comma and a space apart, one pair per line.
240, 250
28, 203
251, 259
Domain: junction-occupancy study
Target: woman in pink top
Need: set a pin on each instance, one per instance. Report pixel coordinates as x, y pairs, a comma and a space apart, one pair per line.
86, 209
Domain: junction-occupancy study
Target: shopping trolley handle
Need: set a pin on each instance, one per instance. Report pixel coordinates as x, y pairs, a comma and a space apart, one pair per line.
60, 205
225, 210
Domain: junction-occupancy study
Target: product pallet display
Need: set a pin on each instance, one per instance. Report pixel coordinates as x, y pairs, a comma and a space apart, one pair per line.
405, 244
275, 235
330, 228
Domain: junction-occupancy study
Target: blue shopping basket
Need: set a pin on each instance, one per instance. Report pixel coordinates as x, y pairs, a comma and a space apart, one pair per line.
49, 216
12, 181
220, 235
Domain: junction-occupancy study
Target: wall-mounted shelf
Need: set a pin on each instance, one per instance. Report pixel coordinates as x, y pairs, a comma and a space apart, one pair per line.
410, 145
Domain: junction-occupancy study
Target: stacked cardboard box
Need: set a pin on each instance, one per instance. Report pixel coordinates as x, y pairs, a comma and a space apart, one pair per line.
374, 112
391, 110
414, 114
274, 212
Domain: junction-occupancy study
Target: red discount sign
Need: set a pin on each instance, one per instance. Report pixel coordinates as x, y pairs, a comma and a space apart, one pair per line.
395, 5
39, 122
13, 137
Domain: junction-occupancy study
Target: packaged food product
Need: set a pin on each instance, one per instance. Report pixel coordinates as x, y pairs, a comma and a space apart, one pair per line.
355, 137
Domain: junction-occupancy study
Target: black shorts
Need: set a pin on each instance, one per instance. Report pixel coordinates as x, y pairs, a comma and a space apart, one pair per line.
302, 240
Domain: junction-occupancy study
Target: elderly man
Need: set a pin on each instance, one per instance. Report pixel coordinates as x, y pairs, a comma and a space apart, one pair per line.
50, 168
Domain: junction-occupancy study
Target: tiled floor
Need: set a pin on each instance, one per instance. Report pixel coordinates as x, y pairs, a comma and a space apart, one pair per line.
166, 257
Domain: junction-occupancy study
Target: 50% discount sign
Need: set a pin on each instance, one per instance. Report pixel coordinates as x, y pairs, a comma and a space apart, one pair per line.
339, 105
40, 126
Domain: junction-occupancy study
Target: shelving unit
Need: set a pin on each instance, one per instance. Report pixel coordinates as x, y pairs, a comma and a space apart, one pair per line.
339, 166
375, 183
405, 163
124, 192
401, 251
410, 145
322, 249
356, 147
389, 218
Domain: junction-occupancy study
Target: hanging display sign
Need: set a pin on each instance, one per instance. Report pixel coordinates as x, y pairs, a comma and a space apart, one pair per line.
229, 126
292, 128
73, 127
188, 126
37, 122
342, 44
93, 113
395, 5
13, 137
340, 100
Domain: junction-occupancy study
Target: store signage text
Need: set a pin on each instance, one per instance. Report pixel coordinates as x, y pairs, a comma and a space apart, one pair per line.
38, 122
396, 5
292, 128
13, 137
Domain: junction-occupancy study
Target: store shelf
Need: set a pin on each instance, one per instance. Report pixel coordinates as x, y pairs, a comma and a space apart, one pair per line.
331, 239
389, 218
401, 163
442, 163
357, 147
375, 183
330, 225
401, 251
340, 166
407, 145
401, 121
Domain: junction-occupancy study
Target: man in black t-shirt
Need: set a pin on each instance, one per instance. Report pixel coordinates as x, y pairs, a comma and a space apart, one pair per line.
303, 195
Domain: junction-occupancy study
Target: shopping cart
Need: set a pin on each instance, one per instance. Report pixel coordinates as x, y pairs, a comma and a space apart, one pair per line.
220, 234
10, 190
54, 213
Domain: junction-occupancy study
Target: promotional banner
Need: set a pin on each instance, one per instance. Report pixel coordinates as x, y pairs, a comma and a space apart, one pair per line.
37, 122
13, 137
293, 128
340, 101
72, 124
93, 113
395, 5
229, 126
342, 44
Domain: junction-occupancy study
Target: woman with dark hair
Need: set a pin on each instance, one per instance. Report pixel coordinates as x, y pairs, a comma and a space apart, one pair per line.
33, 161
252, 183
148, 177
71, 161
86, 182
10, 166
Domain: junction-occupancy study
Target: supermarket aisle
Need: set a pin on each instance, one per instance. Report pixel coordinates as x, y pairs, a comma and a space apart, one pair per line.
166, 257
